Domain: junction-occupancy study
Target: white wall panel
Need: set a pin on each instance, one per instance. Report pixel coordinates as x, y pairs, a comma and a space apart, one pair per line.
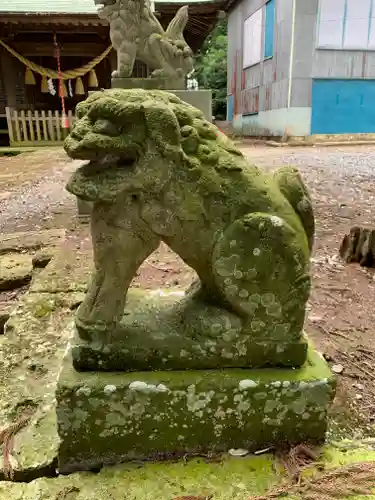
252, 43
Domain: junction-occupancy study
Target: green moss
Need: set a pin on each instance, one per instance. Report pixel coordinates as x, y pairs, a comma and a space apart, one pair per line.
47, 304
44, 308
360, 452
230, 479
315, 368
234, 479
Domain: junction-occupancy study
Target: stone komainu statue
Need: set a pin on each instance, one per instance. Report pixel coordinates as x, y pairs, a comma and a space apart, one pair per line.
158, 171
136, 33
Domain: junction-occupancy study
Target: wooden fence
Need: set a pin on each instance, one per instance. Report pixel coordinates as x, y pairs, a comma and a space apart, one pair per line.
37, 128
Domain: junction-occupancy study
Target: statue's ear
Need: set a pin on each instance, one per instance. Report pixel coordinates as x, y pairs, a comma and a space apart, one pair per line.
176, 27
162, 126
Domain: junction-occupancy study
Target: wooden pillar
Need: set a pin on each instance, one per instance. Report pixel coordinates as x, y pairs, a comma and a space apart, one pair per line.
10, 77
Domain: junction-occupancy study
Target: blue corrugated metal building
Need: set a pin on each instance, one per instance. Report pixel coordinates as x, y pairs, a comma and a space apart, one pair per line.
301, 67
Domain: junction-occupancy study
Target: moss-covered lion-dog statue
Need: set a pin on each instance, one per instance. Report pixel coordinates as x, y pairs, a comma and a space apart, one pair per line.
158, 171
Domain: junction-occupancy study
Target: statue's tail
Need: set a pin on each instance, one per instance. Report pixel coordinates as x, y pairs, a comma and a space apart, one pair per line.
176, 27
292, 187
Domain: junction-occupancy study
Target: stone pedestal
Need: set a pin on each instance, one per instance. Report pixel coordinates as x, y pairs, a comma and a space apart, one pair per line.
113, 417
148, 83
84, 207
225, 365
200, 99
163, 330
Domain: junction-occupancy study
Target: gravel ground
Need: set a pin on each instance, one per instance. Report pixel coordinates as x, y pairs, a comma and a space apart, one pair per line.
336, 177
341, 182
33, 194
344, 172
341, 314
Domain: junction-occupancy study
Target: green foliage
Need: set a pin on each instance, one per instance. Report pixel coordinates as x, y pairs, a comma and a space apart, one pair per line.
211, 68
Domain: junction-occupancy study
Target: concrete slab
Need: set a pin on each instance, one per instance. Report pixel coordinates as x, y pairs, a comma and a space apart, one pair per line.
31, 240
67, 272
31, 352
15, 270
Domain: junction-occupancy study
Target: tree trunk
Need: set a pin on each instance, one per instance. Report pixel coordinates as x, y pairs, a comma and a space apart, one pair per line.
359, 246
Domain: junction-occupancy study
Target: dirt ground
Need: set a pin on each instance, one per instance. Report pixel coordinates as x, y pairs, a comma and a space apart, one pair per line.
341, 314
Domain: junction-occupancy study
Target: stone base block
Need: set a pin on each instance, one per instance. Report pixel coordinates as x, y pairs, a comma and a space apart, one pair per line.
84, 207
148, 83
200, 99
107, 418
172, 331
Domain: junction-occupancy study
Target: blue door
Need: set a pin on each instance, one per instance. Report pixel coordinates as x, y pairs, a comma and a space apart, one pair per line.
343, 107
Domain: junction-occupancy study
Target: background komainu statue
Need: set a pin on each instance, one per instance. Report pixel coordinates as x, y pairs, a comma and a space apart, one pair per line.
136, 33
158, 171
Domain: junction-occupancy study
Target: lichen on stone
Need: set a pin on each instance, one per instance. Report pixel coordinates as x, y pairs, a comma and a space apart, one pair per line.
198, 410
247, 384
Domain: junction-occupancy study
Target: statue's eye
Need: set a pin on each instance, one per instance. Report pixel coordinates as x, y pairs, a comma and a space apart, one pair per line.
105, 127
79, 112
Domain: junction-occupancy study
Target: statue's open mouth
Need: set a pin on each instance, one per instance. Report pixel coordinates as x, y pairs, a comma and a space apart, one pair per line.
127, 162
109, 163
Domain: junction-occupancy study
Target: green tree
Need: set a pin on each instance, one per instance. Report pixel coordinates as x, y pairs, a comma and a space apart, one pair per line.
211, 68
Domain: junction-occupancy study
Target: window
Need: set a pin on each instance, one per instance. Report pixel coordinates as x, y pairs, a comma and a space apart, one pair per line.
346, 24
252, 42
331, 23
269, 29
357, 24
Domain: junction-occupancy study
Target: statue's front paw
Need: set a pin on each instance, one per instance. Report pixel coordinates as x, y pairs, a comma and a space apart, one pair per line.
115, 74
91, 331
